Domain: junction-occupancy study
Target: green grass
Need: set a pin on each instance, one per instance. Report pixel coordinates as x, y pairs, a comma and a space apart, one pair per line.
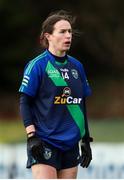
12, 132
106, 130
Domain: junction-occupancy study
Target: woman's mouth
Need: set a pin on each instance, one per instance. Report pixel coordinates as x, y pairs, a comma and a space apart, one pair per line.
68, 43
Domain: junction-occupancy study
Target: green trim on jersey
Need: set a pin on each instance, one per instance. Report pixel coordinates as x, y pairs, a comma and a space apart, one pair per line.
74, 109
55, 75
61, 63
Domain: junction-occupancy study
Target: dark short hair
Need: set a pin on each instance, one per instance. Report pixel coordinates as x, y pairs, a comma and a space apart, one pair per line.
48, 24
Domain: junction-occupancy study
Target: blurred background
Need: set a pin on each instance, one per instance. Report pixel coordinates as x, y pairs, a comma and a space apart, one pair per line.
100, 47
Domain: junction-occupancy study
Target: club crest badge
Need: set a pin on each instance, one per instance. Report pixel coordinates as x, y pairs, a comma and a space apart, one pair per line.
47, 153
74, 73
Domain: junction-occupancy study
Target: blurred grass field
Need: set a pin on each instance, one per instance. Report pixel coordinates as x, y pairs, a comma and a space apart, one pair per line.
106, 130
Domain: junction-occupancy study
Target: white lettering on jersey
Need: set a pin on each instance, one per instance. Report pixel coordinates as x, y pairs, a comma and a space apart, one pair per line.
65, 75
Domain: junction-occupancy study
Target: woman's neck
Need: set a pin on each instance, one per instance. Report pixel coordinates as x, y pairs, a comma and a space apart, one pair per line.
57, 53
59, 58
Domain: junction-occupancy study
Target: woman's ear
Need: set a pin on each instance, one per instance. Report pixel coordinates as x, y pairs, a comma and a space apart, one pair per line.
47, 35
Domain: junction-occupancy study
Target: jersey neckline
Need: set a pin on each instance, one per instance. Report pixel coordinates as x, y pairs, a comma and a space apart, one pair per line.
57, 63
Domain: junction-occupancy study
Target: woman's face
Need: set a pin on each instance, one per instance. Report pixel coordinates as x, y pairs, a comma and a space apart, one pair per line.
60, 39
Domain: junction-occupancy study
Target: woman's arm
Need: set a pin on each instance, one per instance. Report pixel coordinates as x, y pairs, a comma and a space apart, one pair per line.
25, 111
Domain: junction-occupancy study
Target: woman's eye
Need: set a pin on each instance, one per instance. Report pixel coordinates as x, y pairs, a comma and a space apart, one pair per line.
63, 31
70, 31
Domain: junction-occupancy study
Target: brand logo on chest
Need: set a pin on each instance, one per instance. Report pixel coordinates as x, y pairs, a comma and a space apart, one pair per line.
66, 98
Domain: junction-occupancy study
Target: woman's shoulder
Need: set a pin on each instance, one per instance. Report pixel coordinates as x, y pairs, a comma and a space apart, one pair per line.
36, 63
40, 59
74, 60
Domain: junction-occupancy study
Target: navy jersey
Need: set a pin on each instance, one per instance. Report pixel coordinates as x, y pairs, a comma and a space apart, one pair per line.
57, 90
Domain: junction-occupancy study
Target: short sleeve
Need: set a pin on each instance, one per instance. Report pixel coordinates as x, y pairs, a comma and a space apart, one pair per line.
31, 80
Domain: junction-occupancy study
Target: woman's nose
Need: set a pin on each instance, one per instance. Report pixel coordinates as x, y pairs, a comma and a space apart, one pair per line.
68, 34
